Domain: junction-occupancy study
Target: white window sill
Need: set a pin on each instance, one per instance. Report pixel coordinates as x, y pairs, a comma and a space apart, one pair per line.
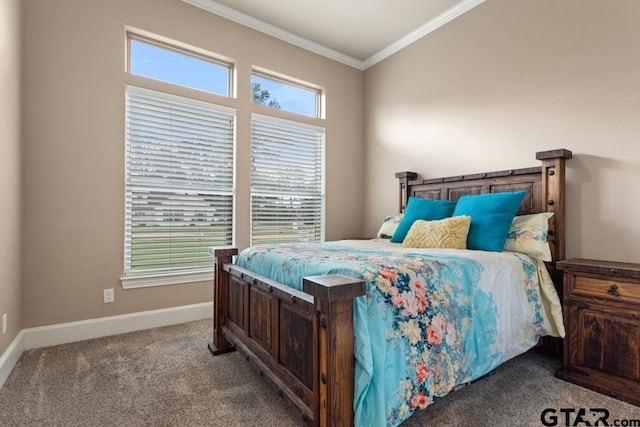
161, 279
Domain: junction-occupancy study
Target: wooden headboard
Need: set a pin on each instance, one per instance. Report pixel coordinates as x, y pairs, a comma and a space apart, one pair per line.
545, 187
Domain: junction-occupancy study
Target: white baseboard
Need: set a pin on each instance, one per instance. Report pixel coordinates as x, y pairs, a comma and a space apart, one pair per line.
10, 357
64, 333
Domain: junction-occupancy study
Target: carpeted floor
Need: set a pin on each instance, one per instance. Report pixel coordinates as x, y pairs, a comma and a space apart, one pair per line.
167, 377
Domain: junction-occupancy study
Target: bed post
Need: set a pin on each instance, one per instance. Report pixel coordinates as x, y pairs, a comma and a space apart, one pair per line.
553, 191
222, 256
404, 178
553, 198
333, 376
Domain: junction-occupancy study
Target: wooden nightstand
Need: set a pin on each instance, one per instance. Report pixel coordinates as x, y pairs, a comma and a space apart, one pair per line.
602, 319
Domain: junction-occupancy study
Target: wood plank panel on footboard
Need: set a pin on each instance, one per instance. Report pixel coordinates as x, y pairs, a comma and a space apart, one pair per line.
302, 341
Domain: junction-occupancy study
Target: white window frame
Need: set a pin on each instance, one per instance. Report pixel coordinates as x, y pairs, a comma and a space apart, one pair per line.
298, 84
137, 279
185, 50
265, 192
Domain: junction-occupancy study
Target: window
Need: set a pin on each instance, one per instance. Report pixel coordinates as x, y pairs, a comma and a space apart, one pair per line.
285, 95
183, 67
178, 187
287, 181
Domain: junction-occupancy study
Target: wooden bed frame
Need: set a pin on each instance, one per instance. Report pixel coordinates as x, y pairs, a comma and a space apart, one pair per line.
303, 341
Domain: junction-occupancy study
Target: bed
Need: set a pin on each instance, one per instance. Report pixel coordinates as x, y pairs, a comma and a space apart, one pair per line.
384, 329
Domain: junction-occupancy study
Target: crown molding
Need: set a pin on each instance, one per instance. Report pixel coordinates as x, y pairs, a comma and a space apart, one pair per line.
432, 25
272, 30
256, 24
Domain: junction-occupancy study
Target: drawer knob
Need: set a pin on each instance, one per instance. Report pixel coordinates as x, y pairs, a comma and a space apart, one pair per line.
613, 290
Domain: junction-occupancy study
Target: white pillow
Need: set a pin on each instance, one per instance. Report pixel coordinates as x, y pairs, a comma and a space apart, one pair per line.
529, 235
389, 226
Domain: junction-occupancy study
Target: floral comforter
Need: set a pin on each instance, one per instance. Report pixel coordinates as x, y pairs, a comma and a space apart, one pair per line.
431, 319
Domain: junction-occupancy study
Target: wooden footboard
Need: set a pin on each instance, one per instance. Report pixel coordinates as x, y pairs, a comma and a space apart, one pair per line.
302, 341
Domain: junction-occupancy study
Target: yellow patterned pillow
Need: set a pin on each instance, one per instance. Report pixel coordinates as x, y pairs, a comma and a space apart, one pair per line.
445, 233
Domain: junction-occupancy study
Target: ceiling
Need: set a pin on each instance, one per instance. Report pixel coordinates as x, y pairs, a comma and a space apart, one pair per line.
358, 33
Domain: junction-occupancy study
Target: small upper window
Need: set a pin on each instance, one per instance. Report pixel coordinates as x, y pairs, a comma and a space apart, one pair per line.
178, 66
285, 95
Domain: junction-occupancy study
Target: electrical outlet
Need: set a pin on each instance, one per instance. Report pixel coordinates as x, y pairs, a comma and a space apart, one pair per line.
108, 295
4, 324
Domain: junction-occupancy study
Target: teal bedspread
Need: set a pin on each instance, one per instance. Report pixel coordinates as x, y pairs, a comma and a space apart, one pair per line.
430, 320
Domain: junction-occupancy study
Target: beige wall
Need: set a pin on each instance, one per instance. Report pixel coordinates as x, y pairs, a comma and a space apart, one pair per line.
484, 92
507, 79
10, 187
74, 145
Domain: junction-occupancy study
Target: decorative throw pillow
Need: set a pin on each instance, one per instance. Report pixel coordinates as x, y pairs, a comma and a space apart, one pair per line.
491, 215
444, 233
528, 235
389, 226
424, 209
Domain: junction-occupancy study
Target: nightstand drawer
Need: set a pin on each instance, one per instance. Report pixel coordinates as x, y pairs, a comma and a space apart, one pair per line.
607, 288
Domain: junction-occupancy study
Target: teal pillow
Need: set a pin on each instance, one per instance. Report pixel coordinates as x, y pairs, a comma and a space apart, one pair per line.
491, 216
424, 209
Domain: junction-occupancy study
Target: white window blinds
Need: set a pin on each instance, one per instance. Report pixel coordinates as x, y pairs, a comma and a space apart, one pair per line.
287, 181
179, 181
